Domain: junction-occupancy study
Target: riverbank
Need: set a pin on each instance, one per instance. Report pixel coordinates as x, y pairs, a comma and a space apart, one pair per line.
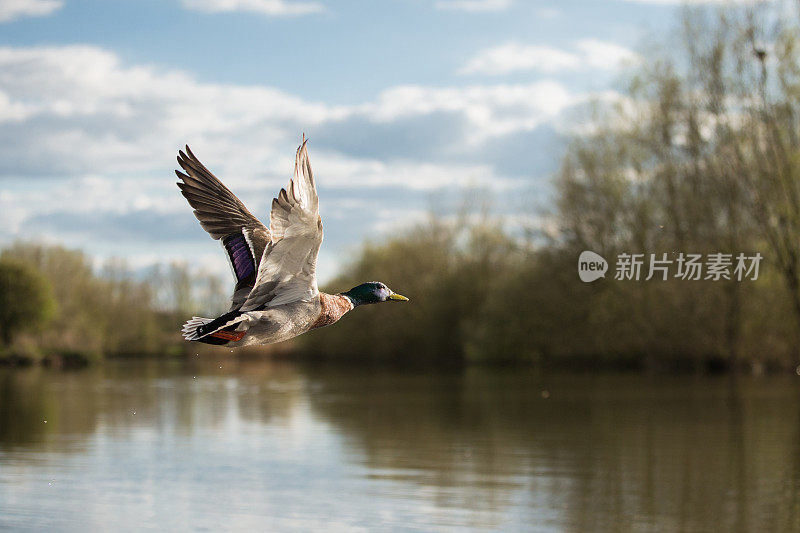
290, 352
63, 359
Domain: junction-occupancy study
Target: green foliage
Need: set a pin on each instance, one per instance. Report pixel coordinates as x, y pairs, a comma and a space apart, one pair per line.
700, 156
26, 300
111, 311
443, 267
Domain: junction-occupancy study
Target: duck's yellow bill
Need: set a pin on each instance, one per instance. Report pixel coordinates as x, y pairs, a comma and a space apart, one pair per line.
398, 297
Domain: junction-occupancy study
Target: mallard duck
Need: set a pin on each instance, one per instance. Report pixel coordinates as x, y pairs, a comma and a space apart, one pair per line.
276, 295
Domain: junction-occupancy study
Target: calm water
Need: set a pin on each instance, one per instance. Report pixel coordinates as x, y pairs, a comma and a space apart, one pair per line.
257, 446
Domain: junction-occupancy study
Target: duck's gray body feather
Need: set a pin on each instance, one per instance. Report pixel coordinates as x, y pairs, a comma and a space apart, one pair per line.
278, 323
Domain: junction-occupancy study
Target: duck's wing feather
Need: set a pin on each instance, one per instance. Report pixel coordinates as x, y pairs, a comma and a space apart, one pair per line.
287, 271
226, 219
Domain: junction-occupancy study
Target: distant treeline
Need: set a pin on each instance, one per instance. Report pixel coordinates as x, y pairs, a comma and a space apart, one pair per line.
700, 155
81, 313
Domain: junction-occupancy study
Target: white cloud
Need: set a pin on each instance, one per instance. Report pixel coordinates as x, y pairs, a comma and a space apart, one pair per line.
604, 55
515, 57
14, 9
12, 111
341, 171
88, 113
88, 144
78, 110
474, 6
265, 7
488, 110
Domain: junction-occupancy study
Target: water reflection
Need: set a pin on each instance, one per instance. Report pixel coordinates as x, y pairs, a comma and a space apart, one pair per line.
259, 445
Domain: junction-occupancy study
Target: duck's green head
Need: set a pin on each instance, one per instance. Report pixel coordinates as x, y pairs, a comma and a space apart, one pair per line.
373, 292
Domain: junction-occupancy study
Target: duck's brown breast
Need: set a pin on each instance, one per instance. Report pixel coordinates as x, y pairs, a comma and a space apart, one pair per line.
332, 308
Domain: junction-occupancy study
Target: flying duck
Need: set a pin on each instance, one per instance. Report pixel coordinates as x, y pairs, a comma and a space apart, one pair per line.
276, 295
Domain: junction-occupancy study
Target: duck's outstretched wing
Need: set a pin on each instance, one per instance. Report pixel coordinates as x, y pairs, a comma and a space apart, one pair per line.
287, 271
226, 219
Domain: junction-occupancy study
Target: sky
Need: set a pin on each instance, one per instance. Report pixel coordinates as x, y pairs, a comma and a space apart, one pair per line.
406, 104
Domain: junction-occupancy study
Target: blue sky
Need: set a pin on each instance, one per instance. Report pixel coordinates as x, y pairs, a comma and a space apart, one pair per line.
406, 102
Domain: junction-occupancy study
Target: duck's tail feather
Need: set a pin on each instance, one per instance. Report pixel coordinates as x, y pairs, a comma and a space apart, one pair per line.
190, 332
218, 331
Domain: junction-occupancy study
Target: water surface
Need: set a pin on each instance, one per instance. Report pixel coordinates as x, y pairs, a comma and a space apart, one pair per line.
266, 446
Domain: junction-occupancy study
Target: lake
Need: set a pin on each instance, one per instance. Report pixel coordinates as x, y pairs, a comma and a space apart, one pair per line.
211, 445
